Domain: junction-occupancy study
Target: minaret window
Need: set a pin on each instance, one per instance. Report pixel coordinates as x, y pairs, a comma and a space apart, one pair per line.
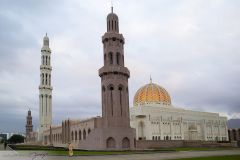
42, 103
117, 26
118, 58
49, 79
46, 60
111, 58
111, 88
46, 103
120, 88
46, 78
112, 25
49, 60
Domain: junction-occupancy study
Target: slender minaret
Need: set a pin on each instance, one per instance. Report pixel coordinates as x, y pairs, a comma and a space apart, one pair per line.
29, 126
114, 77
45, 89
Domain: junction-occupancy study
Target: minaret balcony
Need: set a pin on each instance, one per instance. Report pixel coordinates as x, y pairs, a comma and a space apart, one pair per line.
45, 87
114, 69
46, 67
113, 35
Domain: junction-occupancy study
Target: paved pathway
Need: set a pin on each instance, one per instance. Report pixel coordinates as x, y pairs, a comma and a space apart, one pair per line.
154, 156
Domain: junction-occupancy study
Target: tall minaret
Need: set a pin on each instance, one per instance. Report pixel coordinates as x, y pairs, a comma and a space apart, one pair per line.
29, 126
114, 77
45, 89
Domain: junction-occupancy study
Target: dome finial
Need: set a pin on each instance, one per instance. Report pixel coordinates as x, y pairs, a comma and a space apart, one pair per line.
112, 6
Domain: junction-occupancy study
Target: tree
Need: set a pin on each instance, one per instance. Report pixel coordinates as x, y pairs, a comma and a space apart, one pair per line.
16, 138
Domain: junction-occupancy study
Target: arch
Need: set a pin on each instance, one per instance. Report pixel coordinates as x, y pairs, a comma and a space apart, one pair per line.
110, 87
110, 58
167, 138
110, 143
75, 135
80, 135
135, 144
118, 58
234, 135
89, 130
120, 87
84, 134
125, 143
72, 136
141, 130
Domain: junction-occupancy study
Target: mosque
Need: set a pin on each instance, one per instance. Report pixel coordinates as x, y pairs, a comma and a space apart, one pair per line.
155, 118
152, 118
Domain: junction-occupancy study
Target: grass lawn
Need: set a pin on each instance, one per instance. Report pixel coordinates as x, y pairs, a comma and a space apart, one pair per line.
24, 149
236, 157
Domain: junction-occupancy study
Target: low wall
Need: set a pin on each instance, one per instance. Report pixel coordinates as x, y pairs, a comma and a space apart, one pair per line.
151, 144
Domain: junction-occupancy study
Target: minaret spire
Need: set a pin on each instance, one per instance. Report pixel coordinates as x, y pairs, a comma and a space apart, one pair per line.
112, 6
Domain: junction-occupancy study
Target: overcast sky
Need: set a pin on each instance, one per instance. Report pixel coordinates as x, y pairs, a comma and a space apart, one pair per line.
191, 48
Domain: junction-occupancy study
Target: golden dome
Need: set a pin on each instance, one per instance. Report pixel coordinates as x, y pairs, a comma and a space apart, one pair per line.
151, 94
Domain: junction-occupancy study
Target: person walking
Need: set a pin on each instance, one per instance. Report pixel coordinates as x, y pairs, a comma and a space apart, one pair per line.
70, 149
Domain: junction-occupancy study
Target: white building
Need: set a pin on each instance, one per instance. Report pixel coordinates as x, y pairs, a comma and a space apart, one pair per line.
155, 118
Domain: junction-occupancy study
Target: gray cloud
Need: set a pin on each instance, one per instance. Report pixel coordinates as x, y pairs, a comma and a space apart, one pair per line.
191, 48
